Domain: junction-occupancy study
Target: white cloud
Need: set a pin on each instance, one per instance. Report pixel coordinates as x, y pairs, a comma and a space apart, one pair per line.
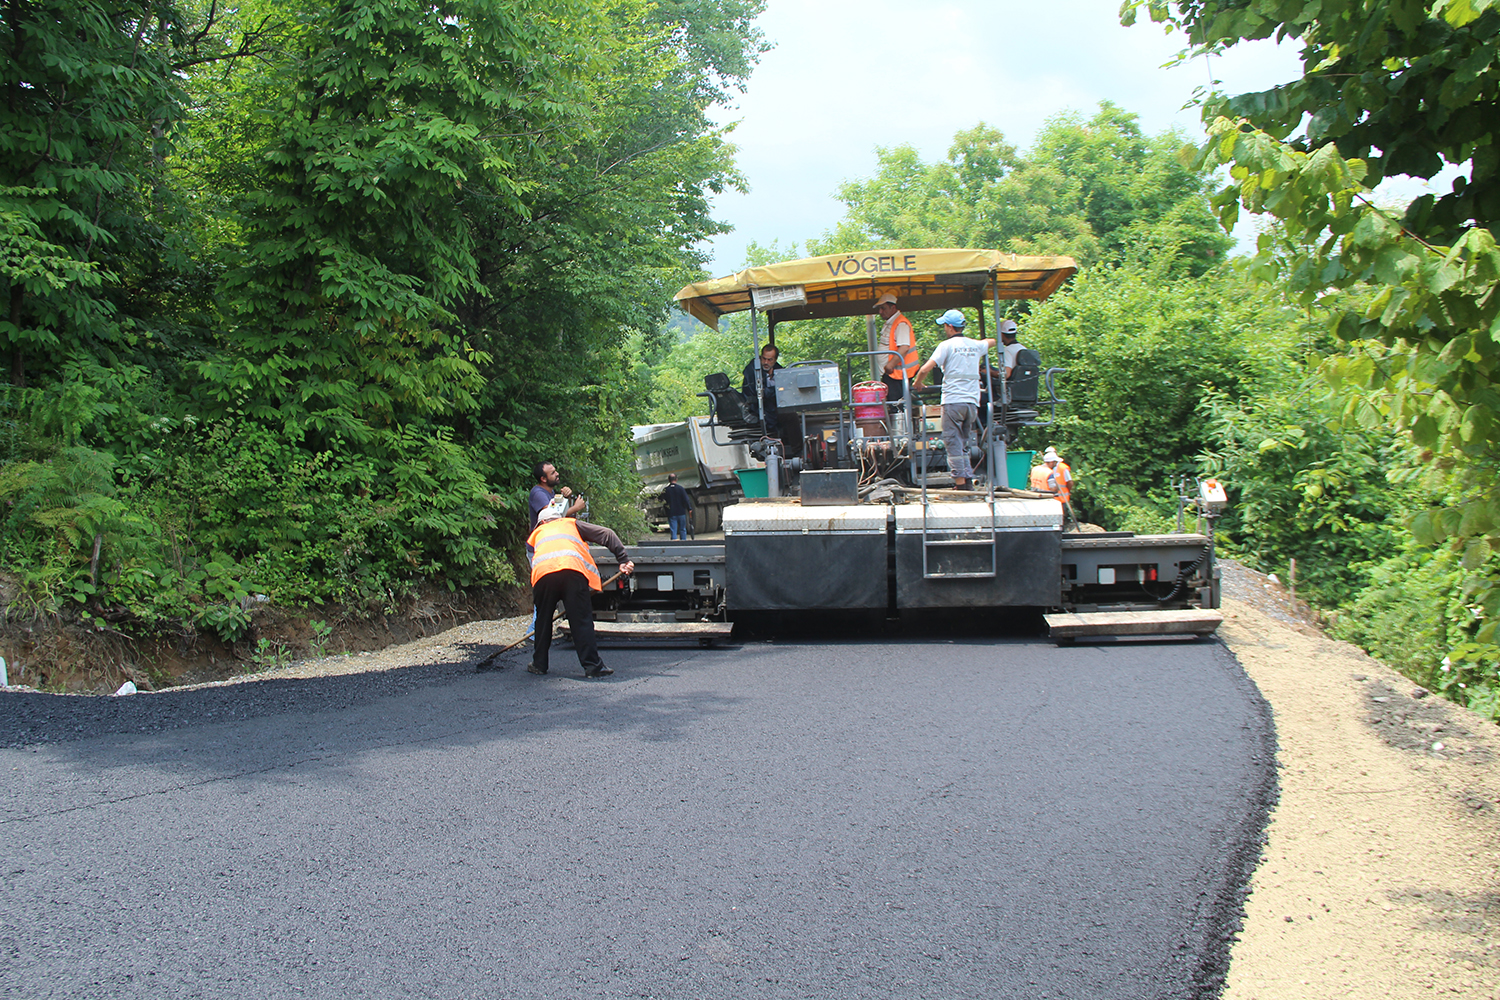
846, 77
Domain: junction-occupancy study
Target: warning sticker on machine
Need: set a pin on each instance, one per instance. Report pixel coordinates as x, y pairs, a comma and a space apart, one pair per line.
828, 384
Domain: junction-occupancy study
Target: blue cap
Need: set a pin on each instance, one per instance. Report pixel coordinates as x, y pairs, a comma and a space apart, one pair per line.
952, 318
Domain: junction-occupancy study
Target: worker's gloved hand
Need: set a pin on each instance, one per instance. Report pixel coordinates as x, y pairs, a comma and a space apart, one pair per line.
627, 567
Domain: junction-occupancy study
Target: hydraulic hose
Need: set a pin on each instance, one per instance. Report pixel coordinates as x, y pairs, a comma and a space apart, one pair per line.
1184, 574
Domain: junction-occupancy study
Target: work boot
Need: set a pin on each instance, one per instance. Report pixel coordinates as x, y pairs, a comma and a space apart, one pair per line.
532, 668
600, 671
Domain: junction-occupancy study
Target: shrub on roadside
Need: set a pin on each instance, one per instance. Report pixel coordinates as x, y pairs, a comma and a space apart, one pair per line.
1416, 616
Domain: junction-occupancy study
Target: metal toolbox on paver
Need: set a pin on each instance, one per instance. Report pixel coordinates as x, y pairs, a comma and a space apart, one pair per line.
1012, 558
784, 557
830, 487
806, 387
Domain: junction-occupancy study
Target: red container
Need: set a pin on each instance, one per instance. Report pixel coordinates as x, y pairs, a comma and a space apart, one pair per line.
869, 392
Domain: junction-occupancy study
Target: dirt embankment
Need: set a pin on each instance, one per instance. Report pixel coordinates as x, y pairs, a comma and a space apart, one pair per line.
51, 654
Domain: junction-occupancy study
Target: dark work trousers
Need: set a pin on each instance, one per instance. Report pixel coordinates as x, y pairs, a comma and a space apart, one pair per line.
894, 387
572, 588
960, 429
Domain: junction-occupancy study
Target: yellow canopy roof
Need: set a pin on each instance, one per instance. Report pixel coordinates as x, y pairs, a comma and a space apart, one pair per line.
848, 284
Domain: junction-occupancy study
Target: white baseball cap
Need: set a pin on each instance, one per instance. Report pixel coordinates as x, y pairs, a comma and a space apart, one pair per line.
554, 510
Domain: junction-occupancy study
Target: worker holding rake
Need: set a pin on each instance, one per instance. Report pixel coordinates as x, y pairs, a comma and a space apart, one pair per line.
562, 570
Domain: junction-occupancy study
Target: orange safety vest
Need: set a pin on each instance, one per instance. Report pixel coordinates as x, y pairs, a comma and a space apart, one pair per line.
1058, 480
910, 360
558, 546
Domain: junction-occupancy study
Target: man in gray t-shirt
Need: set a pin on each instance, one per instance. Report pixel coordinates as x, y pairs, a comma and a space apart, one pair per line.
960, 358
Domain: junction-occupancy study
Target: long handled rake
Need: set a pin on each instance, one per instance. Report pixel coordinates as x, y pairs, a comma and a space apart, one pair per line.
488, 662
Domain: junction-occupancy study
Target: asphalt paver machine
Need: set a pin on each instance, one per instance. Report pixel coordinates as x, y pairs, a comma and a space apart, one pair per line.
856, 516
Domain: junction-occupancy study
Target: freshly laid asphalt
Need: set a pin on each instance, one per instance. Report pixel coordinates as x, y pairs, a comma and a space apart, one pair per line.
978, 817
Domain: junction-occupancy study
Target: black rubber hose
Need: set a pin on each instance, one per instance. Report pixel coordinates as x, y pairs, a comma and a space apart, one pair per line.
1184, 574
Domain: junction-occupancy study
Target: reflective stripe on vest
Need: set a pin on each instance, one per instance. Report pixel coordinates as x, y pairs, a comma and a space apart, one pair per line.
558, 546
910, 360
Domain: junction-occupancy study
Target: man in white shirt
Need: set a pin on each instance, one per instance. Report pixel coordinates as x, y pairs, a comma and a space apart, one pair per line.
1009, 346
960, 358
1010, 350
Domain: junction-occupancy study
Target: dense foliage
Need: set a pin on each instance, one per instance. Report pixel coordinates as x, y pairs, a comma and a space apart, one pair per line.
295, 295
1092, 189
298, 294
1389, 87
1097, 189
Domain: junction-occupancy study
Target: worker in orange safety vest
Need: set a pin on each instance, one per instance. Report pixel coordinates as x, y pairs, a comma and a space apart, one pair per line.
563, 570
896, 335
1053, 476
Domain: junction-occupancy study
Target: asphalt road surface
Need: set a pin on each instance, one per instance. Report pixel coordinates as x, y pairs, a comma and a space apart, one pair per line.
983, 817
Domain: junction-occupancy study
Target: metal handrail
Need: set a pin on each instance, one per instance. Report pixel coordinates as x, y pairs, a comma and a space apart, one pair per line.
1052, 402
905, 380
713, 420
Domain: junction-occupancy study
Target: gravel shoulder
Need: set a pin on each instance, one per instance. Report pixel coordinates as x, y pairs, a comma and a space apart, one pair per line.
1381, 872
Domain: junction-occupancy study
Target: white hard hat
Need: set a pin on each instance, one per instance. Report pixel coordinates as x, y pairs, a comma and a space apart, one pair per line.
1050, 455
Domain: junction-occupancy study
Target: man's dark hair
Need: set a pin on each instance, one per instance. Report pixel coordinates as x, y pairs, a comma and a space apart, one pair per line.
671, 477
540, 470
771, 347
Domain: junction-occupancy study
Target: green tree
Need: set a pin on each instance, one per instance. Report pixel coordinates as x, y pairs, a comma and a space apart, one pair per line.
1389, 87
576, 288
1136, 192
356, 247
1142, 352
1404, 86
1093, 190
1307, 484
90, 98
93, 264
358, 284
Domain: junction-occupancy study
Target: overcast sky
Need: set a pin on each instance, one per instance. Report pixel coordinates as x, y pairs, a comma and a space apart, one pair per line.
846, 77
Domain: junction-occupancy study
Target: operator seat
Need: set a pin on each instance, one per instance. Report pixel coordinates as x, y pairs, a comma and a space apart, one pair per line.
1025, 378
1025, 389
728, 408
